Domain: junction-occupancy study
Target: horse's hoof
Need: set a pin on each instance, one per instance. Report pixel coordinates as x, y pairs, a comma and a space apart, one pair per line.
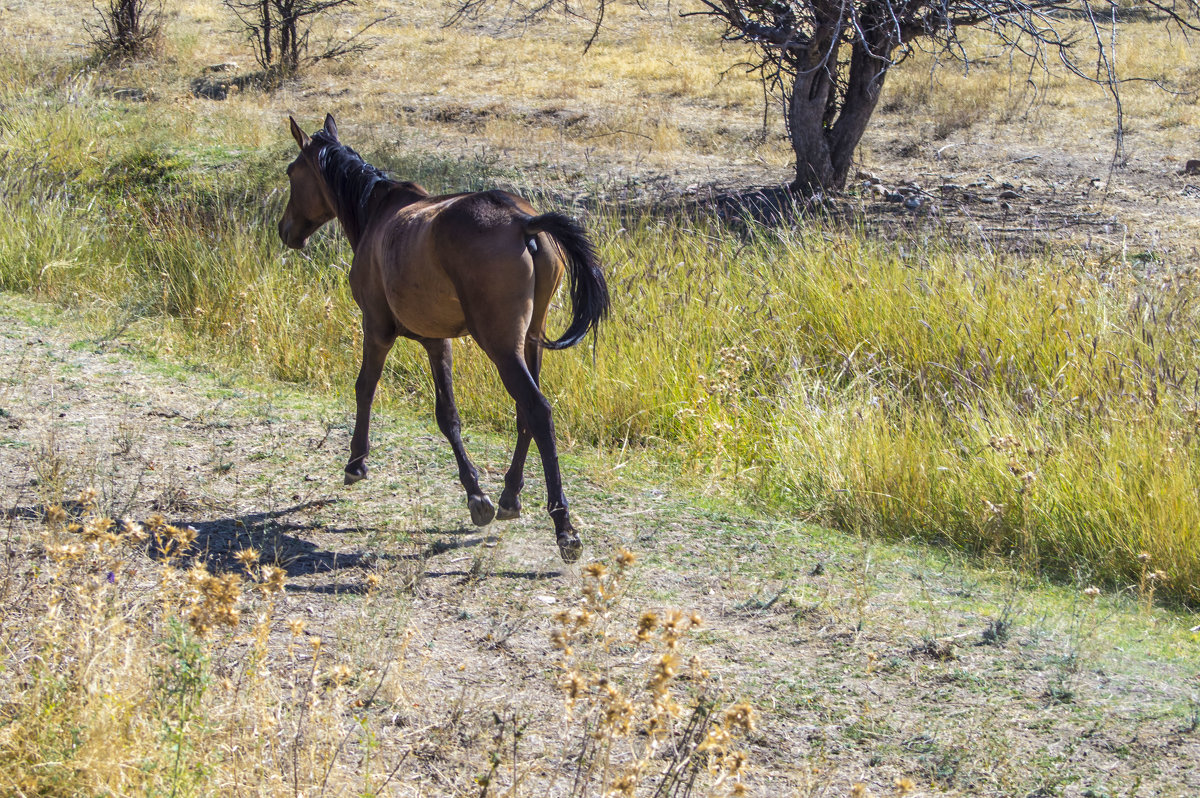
355, 476
570, 547
482, 510
506, 513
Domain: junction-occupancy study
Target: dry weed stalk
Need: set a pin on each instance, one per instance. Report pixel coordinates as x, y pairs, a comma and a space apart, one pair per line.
650, 724
1148, 581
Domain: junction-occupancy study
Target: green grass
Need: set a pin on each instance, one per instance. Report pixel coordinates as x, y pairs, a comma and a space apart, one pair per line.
1042, 408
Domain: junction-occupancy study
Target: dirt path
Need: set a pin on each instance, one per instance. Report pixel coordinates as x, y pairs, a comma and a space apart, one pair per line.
866, 662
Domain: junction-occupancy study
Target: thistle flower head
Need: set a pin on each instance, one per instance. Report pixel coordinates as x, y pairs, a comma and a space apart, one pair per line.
134, 531
247, 556
595, 570
339, 675
646, 625
273, 579
740, 718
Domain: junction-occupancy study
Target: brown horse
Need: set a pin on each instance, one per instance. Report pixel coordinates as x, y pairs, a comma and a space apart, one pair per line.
436, 268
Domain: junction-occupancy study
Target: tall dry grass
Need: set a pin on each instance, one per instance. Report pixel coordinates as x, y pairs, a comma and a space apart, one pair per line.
137, 664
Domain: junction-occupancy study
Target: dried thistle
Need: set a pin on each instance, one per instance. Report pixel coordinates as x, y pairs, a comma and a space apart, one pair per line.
214, 600
272, 579
339, 675
56, 515
646, 625
134, 532
594, 570
248, 557
740, 718
87, 498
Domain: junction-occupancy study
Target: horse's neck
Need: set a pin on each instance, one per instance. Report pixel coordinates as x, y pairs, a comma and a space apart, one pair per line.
385, 195
356, 216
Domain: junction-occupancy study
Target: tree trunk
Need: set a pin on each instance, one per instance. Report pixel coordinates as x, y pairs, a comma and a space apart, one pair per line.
825, 147
812, 90
863, 87
806, 115
287, 32
266, 33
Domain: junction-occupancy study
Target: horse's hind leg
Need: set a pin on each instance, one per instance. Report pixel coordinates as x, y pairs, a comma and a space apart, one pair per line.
514, 479
533, 414
440, 362
375, 352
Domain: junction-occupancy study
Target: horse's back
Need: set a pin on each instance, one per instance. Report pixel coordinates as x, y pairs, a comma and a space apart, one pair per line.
439, 259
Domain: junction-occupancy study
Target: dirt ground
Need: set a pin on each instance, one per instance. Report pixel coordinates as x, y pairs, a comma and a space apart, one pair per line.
866, 662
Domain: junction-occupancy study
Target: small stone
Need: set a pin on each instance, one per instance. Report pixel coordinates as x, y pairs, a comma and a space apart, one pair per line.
1192, 167
130, 94
1009, 194
912, 203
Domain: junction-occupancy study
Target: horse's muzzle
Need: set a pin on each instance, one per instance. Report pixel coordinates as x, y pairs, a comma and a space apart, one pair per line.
285, 235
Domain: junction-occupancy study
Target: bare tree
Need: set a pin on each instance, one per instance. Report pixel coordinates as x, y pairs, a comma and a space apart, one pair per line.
126, 28
279, 32
826, 60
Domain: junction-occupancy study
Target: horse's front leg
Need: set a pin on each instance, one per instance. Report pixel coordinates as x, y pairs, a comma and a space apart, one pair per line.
440, 364
375, 352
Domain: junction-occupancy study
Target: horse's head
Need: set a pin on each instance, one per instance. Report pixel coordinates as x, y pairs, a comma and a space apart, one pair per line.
309, 205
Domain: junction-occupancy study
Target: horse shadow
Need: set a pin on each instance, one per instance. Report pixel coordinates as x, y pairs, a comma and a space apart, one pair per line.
279, 540
287, 543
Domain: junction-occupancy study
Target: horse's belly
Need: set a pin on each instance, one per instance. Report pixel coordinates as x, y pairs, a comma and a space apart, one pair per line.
429, 314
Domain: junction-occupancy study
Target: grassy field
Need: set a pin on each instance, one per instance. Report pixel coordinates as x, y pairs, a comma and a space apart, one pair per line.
1041, 405
1021, 386
261, 629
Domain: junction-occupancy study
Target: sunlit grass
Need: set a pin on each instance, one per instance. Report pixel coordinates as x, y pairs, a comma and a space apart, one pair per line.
1043, 406
1040, 407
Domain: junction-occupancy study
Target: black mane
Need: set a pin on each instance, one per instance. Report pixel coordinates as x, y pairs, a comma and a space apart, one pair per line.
351, 180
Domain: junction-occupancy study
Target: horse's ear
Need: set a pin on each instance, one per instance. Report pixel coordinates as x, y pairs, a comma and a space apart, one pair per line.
299, 135
331, 126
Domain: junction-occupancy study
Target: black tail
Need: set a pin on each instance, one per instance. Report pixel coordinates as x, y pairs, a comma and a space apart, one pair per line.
589, 291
